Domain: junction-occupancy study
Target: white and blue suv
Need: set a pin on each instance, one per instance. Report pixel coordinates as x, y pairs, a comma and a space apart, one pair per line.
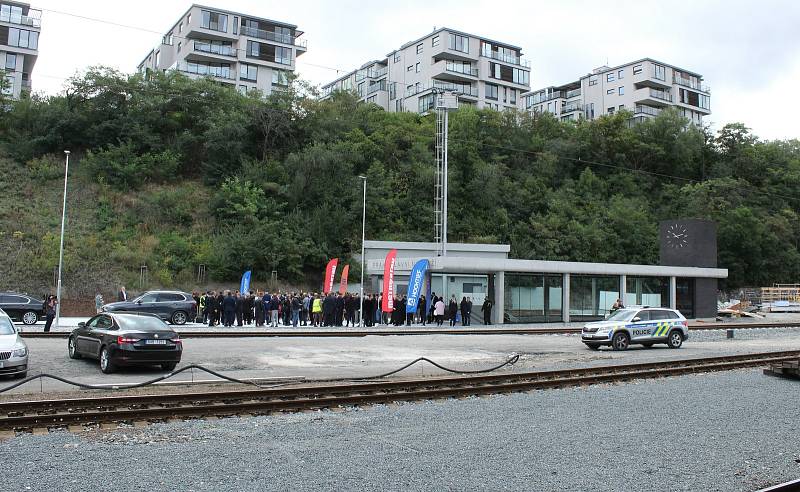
640, 325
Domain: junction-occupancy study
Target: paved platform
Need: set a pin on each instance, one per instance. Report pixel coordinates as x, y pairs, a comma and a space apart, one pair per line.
365, 356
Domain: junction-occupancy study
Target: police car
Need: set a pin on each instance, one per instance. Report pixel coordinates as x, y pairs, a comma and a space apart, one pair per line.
641, 325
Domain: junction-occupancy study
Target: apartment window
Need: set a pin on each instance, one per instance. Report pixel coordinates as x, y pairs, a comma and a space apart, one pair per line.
611, 110
418, 67
253, 48
235, 25
188, 19
610, 91
659, 72
419, 48
179, 46
248, 72
11, 61
410, 68
170, 39
621, 74
243, 90
372, 99
459, 43
521, 76
426, 102
214, 21
409, 89
158, 59
513, 98
621, 107
637, 69
491, 91
280, 77
393, 91
610, 77
180, 27
9, 88
621, 90
283, 55
435, 41
417, 88
397, 57
22, 38
398, 105
361, 89
283, 35
591, 110
705, 101
593, 80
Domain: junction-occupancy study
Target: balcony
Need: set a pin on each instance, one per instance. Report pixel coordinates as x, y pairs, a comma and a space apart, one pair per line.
512, 59
461, 89
203, 70
33, 19
648, 76
572, 93
273, 36
571, 108
214, 49
454, 71
540, 98
371, 73
652, 97
375, 88
648, 110
692, 84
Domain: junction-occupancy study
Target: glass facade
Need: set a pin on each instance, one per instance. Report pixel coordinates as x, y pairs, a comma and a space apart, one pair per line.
684, 296
591, 297
647, 291
532, 298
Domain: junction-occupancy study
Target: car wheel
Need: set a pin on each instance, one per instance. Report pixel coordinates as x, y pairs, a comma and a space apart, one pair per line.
648, 345
620, 341
169, 366
30, 318
73, 350
675, 339
105, 361
179, 318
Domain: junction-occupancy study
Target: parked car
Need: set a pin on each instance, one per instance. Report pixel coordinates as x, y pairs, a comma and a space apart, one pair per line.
124, 339
22, 307
637, 325
13, 350
173, 306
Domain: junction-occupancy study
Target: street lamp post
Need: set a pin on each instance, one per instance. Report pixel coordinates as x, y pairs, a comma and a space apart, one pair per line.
363, 230
61, 245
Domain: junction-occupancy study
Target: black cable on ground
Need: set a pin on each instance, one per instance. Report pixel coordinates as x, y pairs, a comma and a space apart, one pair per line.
510, 361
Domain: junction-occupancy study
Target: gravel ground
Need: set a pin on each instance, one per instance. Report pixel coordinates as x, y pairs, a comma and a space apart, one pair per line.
699, 432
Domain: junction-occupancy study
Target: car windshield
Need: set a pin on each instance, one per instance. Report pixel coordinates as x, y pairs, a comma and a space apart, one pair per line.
6, 328
622, 315
140, 323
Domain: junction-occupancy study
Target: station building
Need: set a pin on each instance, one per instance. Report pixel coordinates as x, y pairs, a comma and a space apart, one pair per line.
537, 291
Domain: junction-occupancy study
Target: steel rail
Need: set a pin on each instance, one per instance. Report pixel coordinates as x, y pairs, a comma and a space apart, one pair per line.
60, 413
416, 331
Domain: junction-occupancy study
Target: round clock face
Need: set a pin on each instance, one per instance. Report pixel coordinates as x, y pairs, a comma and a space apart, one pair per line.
677, 236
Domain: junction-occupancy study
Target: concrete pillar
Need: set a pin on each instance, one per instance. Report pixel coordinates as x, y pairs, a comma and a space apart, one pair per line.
673, 297
623, 288
499, 298
565, 297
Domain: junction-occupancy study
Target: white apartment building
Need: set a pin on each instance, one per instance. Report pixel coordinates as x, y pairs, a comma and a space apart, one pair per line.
20, 26
242, 50
644, 87
483, 72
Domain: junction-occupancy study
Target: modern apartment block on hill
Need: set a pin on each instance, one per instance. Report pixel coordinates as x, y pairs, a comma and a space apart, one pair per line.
483, 72
644, 87
242, 50
19, 44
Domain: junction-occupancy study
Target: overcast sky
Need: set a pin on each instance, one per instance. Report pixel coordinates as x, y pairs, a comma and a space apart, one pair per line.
748, 52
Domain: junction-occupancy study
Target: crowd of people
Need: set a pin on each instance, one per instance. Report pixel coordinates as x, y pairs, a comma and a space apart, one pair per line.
233, 308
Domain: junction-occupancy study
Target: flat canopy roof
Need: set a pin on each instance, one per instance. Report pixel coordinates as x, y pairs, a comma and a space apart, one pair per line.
455, 264
427, 246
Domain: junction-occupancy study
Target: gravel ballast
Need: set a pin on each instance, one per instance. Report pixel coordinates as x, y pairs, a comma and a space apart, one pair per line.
723, 431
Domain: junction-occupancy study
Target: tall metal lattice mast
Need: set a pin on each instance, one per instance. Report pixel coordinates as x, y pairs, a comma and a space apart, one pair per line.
445, 101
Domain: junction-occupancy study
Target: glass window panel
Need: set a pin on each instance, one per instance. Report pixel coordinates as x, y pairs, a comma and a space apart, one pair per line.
647, 291
531, 298
591, 297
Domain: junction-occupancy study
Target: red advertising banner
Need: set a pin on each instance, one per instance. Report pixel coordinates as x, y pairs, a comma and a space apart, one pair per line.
343, 282
388, 281
330, 273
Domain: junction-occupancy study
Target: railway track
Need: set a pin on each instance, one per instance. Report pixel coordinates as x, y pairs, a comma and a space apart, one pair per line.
334, 332
61, 413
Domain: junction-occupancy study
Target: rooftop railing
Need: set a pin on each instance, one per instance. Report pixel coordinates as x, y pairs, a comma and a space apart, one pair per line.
273, 36
549, 96
504, 57
33, 19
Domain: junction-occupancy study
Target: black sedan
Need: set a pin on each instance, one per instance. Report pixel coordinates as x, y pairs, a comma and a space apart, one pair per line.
21, 307
173, 306
119, 339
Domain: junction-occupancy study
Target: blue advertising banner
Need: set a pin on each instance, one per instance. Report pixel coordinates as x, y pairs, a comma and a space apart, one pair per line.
245, 286
415, 282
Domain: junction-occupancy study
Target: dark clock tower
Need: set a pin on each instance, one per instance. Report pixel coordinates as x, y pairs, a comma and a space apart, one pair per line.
688, 242
691, 243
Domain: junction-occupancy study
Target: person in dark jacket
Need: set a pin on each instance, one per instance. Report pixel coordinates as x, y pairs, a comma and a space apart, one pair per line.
229, 308
422, 311
487, 311
50, 311
248, 308
452, 310
464, 312
258, 307
274, 308
295, 306
338, 314
239, 308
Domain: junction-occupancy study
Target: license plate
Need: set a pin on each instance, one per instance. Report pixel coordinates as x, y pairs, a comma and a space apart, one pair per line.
155, 342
